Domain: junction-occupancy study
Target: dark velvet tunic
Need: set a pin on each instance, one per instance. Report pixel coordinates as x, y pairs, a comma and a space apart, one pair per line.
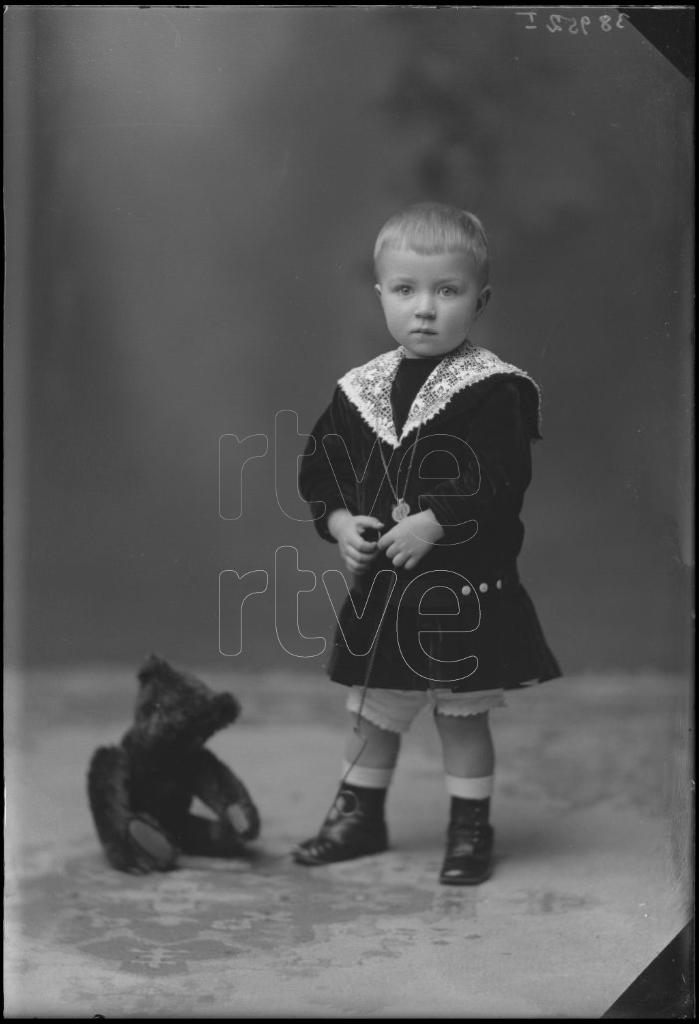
461, 618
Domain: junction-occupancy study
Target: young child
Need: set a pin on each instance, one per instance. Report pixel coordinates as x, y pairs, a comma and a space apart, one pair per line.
417, 470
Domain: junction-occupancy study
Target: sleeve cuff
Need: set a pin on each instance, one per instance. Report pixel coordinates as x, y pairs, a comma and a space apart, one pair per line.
321, 510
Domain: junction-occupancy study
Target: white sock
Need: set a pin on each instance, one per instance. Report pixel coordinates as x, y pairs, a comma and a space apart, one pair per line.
470, 789
370, 778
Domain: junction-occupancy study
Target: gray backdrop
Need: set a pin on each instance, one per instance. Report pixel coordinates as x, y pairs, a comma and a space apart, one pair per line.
192, 199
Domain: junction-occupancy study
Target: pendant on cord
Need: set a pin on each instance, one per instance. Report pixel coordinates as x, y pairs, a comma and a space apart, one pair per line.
400, 512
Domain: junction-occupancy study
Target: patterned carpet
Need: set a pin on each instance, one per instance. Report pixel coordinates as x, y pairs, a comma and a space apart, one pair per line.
592, 877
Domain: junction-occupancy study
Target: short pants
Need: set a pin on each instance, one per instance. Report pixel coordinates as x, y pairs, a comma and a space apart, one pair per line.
395, 710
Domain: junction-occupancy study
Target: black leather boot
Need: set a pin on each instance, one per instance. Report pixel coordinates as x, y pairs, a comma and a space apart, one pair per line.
351, 829
469, 854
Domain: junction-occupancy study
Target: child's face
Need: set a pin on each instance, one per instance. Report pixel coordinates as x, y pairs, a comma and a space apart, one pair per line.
430, 301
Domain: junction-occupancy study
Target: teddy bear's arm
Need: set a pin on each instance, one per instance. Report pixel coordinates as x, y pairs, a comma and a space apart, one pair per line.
132, 842
216, 785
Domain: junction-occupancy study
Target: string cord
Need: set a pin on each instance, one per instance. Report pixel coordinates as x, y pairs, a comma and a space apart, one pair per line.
356, 728
372, 656
394, 490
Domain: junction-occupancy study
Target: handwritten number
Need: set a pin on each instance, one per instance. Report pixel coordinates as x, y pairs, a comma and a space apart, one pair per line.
532, 18
556, 22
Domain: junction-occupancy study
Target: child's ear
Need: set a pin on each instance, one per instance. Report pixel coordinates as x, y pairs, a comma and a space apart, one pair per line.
483, 299
377, 289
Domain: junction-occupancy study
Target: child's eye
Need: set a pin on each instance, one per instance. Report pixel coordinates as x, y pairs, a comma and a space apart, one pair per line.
447, 290
402, 289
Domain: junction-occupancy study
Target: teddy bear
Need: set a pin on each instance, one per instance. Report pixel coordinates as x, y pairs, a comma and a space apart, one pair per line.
140, 792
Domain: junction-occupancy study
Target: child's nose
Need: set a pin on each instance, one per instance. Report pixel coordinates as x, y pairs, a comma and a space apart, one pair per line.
425, 306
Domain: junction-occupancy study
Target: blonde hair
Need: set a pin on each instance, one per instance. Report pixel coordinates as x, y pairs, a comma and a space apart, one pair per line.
430, 228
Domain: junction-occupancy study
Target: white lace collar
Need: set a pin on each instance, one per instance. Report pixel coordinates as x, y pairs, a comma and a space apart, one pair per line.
368, 387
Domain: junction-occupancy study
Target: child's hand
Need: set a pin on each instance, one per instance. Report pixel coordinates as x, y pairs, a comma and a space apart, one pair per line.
411, 539
355, 552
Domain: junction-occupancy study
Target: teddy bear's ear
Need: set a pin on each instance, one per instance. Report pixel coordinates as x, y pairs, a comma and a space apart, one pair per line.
150, 667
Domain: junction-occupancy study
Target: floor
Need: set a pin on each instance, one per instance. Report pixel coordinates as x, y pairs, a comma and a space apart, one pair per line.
593, 829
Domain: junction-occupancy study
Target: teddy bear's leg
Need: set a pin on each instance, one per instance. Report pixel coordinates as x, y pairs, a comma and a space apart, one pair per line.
204, 838
222, 791
132, 842
148, 838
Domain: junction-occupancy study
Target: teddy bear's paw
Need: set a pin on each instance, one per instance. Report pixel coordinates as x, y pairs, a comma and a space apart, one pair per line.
152, 849
243, 819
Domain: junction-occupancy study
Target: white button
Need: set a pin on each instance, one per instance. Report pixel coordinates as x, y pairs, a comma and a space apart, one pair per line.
483, 587
499, 584
465, 591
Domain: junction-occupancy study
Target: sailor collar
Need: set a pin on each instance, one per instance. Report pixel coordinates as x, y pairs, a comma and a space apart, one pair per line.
368, 387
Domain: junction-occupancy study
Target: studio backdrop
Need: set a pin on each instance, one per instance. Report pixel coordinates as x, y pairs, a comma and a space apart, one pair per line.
193, 198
